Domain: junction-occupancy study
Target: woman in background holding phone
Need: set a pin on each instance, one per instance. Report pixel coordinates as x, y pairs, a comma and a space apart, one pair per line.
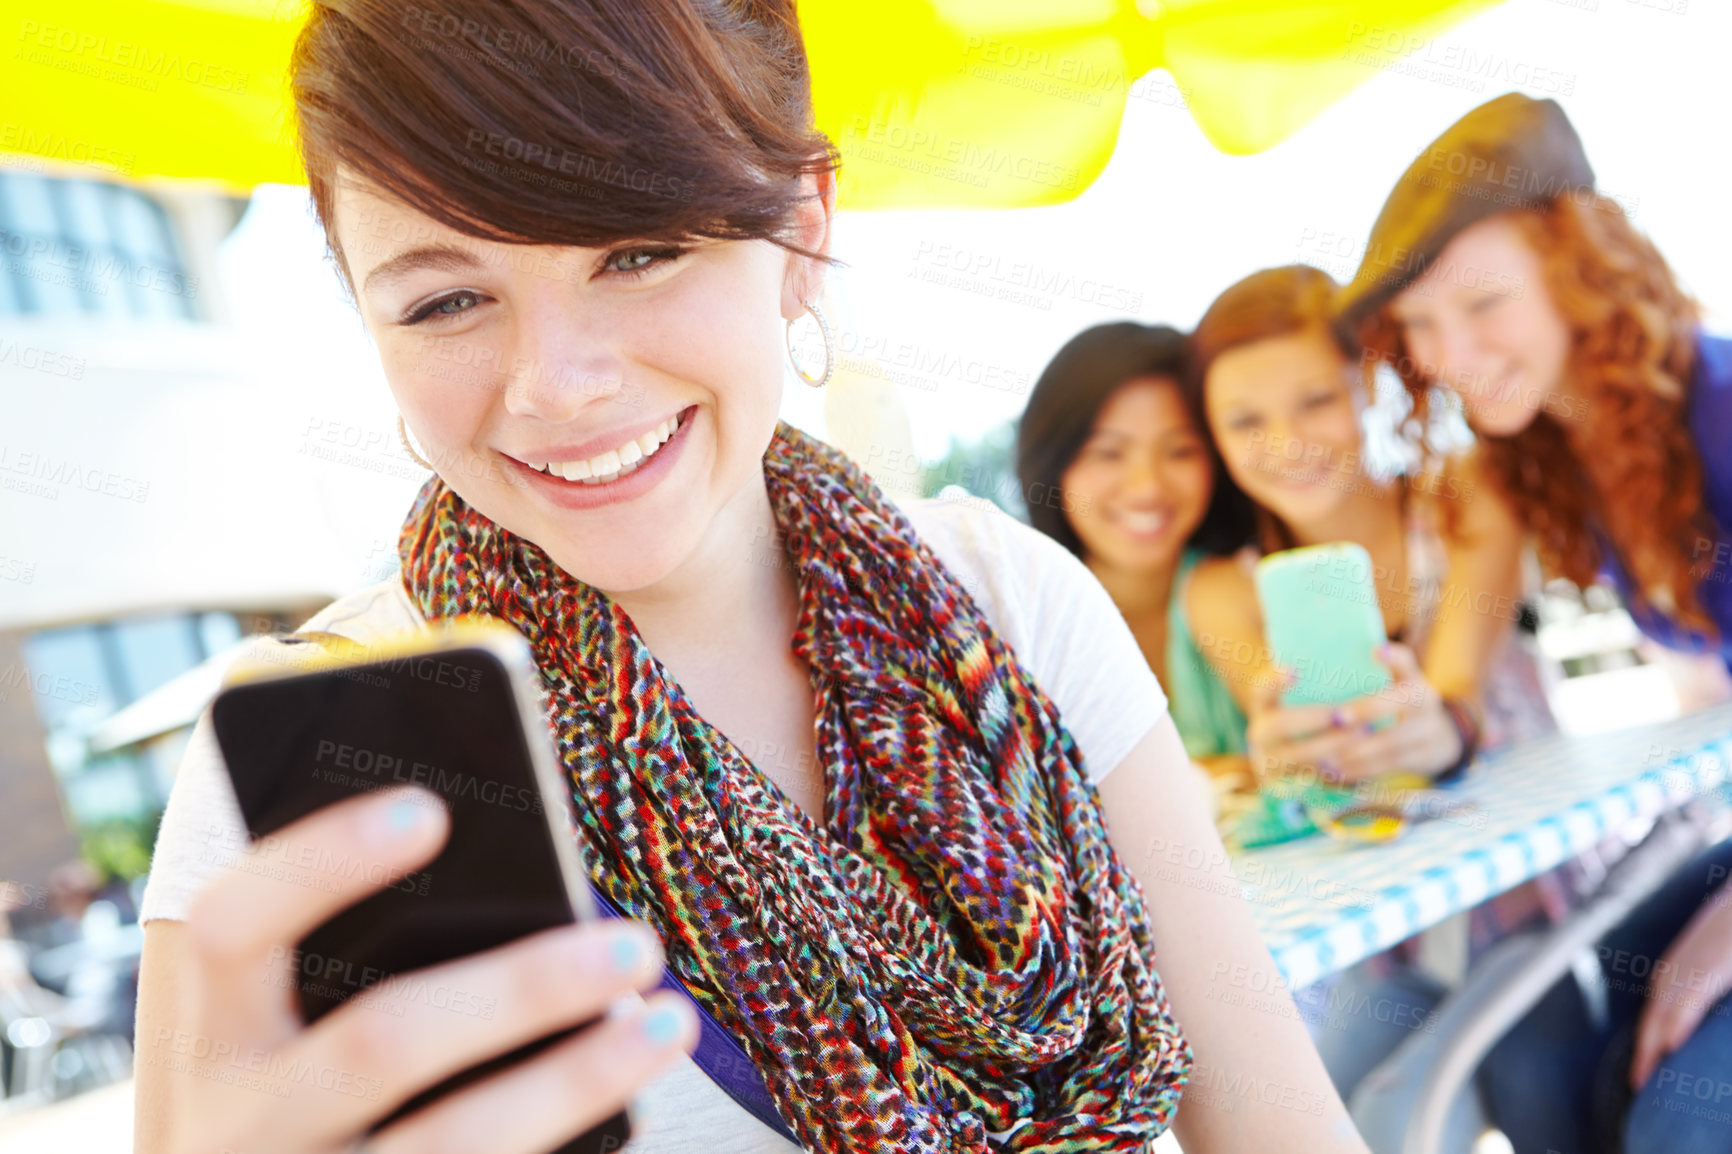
1116, 468
1283, 393
930, 925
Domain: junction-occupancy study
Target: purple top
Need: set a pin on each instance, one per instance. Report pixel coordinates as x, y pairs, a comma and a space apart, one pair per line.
719, 1054
1710, 419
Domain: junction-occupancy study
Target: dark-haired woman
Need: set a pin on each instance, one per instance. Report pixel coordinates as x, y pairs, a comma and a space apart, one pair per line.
1109, 430
932, 924
1604, 411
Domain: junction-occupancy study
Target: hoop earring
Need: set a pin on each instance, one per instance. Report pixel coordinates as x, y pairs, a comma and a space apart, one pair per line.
403, 435
829, 352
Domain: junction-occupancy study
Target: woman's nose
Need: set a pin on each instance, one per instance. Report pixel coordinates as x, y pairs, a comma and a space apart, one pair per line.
1142, 477
1458, 355
560, 364
1278, 433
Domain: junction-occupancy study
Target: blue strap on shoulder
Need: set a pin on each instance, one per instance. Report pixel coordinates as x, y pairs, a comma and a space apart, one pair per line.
719, 1054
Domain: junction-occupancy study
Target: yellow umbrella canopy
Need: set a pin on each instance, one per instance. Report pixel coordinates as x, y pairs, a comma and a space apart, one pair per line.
958, 103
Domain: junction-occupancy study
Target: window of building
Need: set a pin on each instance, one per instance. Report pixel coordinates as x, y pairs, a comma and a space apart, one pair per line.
84, 246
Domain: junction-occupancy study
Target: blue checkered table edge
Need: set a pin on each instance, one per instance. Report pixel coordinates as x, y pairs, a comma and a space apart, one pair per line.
1324, 904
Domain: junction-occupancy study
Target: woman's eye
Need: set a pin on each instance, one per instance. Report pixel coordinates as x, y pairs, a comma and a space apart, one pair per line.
1486, 303
637, 260
449, 305
1241, 424
1319, 400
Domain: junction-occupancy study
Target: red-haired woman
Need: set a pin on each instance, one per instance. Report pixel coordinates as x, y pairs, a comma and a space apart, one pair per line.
930, 923
1603, 409
1604, 413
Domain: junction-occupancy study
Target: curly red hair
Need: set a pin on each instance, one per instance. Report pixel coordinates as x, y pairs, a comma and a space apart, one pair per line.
1628, 464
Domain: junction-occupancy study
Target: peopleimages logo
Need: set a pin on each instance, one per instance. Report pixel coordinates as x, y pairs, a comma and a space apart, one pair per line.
98, 269
121, 61
41, 360
18, 138
51, 471
563, 160
344, 760
968, 160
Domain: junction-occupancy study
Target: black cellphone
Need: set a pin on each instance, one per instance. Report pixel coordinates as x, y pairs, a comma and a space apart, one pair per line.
455, 710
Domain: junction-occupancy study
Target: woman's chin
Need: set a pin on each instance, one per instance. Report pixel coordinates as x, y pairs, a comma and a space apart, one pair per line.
618, 570
1144, 556
1499, 418
1295, 505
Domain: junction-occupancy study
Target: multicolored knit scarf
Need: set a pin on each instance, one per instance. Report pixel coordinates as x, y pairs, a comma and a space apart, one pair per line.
955, 950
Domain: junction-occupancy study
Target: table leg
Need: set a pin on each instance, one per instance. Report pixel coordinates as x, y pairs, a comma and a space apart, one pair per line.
1403, 1105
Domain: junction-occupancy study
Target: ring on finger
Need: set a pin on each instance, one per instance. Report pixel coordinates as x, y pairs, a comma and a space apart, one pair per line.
1381, 723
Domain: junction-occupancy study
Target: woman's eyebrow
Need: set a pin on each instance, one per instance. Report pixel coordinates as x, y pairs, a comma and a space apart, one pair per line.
444, 257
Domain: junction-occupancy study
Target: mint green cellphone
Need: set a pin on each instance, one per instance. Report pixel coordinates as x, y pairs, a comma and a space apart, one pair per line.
1321, 620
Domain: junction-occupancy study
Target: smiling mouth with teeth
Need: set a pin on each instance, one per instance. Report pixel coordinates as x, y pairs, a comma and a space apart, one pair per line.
1140, 522
615, 463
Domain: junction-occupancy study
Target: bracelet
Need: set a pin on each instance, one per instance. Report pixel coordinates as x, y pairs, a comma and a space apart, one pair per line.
1466, 728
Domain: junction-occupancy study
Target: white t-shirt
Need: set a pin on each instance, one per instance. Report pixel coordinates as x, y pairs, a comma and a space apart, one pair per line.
1044, 603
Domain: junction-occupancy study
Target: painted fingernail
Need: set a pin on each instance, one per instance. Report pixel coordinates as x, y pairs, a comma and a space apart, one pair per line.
662, 1025
403, 815
627, 952
1337, 719
407, 813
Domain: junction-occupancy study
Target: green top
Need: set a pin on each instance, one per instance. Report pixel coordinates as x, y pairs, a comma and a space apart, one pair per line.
1208, 718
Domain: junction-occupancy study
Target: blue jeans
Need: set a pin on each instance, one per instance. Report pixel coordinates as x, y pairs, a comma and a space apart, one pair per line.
1558, 1083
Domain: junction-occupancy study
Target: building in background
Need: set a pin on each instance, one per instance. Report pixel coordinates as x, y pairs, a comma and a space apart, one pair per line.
106, 292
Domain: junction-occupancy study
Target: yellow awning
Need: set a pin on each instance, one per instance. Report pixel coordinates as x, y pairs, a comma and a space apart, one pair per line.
948, 103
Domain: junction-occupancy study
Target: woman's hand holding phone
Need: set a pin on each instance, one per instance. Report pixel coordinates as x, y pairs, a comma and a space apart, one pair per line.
1403, 727
248, 1077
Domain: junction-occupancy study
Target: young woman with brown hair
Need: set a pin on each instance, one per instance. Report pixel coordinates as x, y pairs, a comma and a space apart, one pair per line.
1284, 393
935, 928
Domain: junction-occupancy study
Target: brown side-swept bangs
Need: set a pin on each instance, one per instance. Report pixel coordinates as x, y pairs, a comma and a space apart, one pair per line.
579, 122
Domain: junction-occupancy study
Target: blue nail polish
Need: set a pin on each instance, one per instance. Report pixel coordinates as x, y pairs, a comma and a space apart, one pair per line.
662, 1026
403, 815
625, 954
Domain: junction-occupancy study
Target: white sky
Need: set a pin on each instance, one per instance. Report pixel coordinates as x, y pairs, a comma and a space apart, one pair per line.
278, 428
1171, 222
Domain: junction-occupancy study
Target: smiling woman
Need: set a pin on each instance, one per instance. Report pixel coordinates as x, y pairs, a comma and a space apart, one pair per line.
1282, 391
1111, 426
1577, 357
934, 926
